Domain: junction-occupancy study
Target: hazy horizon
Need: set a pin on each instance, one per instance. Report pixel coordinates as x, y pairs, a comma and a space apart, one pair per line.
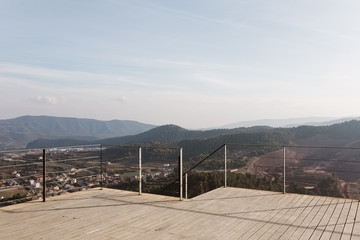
284, 122
196, 64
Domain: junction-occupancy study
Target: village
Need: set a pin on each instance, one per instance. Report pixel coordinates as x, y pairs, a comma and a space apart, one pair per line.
73, 180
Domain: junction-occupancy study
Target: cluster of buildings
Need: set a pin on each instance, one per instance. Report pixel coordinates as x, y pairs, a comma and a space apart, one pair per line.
77, 149
147, 176
55, 185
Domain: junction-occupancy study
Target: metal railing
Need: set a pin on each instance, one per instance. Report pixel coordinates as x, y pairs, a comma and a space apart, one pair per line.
38, 173
283, 166
50, 167
153, 167
287, 168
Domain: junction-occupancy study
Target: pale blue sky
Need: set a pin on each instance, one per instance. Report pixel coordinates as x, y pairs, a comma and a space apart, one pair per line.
192, 63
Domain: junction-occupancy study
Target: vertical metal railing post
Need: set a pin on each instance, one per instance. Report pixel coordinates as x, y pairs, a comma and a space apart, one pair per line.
44, 176
181, 174
186, 186
284, 177
225, 167
101, 168
140, 174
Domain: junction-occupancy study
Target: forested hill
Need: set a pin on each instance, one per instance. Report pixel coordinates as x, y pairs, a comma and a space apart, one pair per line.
18, 132
167, 134
172, 134
196, 147
344, 130
164, 135
347, 133
177, 136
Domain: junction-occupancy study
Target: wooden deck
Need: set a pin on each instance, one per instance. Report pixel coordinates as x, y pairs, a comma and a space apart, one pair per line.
230, 213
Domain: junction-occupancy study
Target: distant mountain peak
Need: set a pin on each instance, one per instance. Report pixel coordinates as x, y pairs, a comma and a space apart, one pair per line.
290, 122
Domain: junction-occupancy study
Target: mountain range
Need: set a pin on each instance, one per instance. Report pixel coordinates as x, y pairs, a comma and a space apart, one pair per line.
291, 122
206, 140
307, 166
18, 132
166, 135
45, 131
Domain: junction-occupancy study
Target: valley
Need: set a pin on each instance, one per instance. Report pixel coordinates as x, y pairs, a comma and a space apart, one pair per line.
321, 160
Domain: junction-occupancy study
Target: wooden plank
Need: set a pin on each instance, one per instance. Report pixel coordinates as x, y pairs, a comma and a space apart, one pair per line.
340, 222
314, 223
289, 217
300, 224
242, 216
255, 217
311, 216
229, 213
320, 228
78, 221
355, 232
267, 230
327, 232
291, 226
271, 209
349, 222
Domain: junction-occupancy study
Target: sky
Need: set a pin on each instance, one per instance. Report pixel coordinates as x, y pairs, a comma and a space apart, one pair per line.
194, 63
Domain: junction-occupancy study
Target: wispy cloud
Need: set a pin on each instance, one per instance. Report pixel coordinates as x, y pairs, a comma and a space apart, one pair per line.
44, 99
38, 77
191, 64
53, 74
193, 16
64, 78
122, 99
245, 82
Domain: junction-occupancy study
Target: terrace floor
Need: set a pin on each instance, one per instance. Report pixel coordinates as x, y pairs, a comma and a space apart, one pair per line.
224, 213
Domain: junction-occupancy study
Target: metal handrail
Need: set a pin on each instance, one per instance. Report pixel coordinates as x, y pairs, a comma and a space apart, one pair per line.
263, 145
184, 175
203, 160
